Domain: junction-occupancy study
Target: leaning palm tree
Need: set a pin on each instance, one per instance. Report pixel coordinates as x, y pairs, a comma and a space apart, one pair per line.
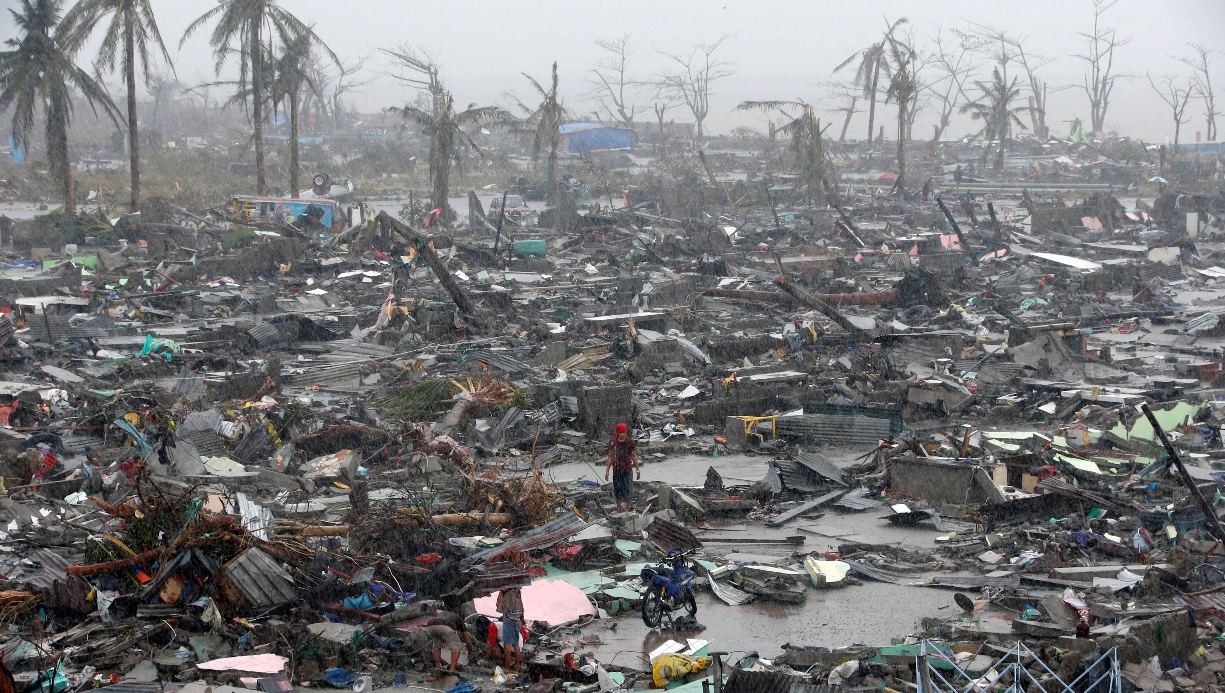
241, 28
805, 132
994, 108
292, 73
448, 140
38, 70
872, 60
544, 123
131, 31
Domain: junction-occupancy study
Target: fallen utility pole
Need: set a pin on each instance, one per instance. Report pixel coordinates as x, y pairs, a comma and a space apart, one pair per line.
957, 230
427, 253
1214, 524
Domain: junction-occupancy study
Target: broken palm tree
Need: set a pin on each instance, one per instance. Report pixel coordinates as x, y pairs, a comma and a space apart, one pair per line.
424, 246
811, 301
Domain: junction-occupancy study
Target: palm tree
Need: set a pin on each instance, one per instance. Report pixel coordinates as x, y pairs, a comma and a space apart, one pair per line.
993, 107
133, 26
867, 75
38, 70
544, 125
292, 69
805, 132
241, 26
448, 140
902, 90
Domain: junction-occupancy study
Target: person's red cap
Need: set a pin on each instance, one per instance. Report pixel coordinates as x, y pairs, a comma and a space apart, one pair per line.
622, 428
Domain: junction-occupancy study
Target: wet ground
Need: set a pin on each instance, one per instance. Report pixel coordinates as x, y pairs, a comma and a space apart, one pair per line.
872, 613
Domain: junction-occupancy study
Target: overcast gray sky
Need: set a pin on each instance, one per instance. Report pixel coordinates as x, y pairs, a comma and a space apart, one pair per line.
782, 49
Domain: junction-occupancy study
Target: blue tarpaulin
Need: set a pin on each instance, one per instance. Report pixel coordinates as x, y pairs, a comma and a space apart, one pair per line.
19, 154
596, 137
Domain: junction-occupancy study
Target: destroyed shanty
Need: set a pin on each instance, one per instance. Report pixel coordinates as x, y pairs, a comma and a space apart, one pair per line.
519, 398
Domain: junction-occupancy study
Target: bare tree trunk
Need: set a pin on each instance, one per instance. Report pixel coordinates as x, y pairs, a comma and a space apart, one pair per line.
999, 160
431, 259
129, 68
659, 113
70, 202
442, 189
901, 146
294, 185
850, 112
57, 150
257, 110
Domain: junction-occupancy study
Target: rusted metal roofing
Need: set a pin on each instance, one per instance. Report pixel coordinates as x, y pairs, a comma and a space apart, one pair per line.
668, 535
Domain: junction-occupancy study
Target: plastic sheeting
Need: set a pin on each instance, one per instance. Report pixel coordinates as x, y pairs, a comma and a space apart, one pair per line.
551, 601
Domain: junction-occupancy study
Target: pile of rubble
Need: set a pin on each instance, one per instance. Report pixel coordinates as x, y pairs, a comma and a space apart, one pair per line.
237, 451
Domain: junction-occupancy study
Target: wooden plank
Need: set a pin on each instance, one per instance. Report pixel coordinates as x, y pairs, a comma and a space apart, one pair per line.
805, 507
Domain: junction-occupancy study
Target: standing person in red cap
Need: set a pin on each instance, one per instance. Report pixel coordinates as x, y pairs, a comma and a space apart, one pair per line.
623, 460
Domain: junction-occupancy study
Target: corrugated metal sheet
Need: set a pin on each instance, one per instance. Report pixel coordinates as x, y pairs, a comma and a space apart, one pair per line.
58, 589
189, 385
551, 532
260, 579
1155, 269
858, 500
60, 327
730, 595
256, 519
499, 360
956, 581
1201, 323
796, 477
1063, 488
894, 414
251, 444
80, 441
267, 336
746, 681
821, 465
349, 350
1022, 274
835, 429
157, 611
1214, 601
206, 443
668, 535
342, 376
199, 421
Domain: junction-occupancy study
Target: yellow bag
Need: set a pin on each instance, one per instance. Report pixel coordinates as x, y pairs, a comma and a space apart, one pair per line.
671, 667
